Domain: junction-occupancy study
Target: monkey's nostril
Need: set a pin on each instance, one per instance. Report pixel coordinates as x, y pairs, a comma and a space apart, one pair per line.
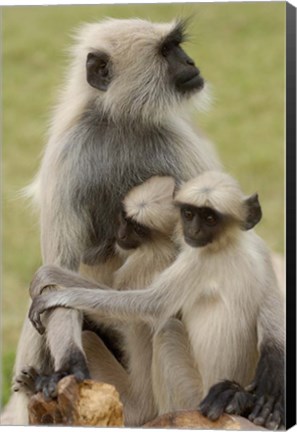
190, 62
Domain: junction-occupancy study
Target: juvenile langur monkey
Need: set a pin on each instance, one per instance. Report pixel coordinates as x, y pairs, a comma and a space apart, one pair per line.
144, 240
224, 284
120, 119
144, 243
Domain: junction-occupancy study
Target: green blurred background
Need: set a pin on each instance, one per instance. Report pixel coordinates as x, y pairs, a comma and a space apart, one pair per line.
239, 48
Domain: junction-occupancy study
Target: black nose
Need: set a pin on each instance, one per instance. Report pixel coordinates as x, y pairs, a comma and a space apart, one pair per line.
190, 62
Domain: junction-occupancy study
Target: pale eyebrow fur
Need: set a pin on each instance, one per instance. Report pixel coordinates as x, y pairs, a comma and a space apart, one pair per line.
216, 190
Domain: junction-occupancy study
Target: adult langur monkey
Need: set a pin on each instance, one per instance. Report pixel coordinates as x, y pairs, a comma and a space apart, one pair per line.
144, 242
225, 287
120, 119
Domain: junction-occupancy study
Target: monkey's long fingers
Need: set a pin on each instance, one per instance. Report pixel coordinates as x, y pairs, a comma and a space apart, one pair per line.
30, 372
264, 413
36, 309
251, 387
241, 403
26, 380
257, 408
218, 398
276, 418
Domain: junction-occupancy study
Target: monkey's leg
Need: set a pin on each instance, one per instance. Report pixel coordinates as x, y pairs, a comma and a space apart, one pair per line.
176, 380
63, 334
104, 367
32, 352
63, 327
138, 338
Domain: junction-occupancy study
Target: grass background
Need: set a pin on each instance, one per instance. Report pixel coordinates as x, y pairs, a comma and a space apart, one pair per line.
239, 48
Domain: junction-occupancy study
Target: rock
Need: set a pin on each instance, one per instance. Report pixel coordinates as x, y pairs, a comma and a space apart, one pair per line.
194, 420
89, 403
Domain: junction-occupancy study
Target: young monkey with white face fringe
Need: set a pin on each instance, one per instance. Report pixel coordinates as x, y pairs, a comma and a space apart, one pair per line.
224, 285
144, 240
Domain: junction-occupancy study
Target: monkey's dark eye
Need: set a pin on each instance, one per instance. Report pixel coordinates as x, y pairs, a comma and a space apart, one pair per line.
103, 68
140, 231
188, 214
164, 51
210, 219
166, 48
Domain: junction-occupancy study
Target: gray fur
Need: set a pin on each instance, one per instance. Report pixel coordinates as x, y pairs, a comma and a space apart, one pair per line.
102, 144
234, 315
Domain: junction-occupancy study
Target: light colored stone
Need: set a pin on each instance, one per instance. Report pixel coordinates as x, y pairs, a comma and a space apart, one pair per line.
195, 420
88, 403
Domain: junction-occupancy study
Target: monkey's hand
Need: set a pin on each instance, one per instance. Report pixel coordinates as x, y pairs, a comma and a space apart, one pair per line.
39, 305
268, 407
226, 396
268, 388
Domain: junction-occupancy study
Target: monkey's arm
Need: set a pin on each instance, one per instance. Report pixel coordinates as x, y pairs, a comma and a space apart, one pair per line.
163, 299
269, 380
51, 275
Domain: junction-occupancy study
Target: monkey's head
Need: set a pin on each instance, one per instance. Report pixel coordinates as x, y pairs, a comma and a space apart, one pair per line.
134, 68
212, 207
148, 213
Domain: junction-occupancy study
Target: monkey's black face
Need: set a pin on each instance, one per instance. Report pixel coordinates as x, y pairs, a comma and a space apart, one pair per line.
183, 73
130, 234
201, 225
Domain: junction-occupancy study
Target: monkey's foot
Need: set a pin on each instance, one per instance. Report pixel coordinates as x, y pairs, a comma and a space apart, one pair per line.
26, 381
48, 384
30, 381
226, 396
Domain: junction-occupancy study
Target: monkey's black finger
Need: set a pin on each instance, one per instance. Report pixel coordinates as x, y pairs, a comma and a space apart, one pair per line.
52, 388
15, 387
40, 383
25, 381
36, 320
276, 418
251, 387
31, 372
81, 376
263, 415
257, 408
273, 421
216, 409
47, 393
241, 403
215, 391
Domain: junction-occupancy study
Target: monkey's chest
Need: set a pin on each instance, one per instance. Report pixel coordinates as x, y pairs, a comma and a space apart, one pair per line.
223, 340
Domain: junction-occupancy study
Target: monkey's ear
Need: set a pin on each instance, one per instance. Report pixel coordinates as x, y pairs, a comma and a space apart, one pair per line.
253, 213
98, 68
